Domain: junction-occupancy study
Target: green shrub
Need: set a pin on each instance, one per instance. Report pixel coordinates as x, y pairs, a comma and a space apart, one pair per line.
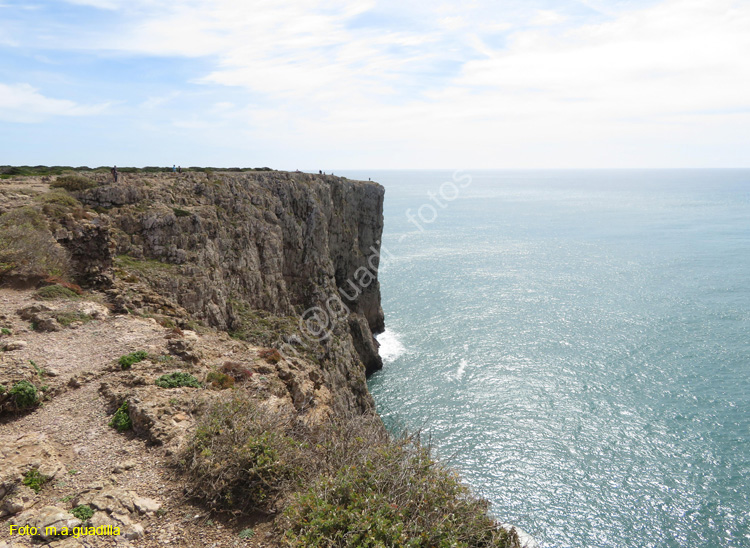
219, 380
73, 182
53, 292
247, 533
83, 512
6, 331
33, 479
180, 212
121, 420
67, 318
396, 496
24, 395
237, 459
127, 361
177, 379
58, 203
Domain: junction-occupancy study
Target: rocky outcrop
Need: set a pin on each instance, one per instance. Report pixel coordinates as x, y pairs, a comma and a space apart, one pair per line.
19, 456
220, 246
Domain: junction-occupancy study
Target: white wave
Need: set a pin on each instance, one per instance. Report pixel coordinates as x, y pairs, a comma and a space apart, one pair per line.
390, 347
461, 369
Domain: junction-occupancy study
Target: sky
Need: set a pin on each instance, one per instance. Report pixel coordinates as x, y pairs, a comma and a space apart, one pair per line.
352, 84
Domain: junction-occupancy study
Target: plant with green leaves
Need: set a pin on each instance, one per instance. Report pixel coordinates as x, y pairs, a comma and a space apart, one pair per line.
55, 292
177, 380
73, 182
33, 479
237, 459
83, 512
121, 420
128, 360
247, 533
24, 395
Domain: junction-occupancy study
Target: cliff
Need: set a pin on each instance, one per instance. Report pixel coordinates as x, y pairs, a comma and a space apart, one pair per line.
231, 248
207, 383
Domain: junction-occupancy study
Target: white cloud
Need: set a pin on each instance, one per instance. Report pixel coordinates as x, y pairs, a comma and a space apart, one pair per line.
546, 18
441, 81
23, 103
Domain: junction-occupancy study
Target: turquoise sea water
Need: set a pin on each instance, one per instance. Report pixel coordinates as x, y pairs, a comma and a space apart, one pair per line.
577, 343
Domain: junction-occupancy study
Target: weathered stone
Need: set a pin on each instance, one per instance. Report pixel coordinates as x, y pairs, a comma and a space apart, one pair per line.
185, 349
14, 345
49, 521
30, 312
46, 325
146, 505
109, 499
18, 455
123, 466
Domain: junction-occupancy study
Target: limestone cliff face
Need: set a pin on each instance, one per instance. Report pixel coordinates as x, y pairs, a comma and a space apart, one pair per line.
222, 244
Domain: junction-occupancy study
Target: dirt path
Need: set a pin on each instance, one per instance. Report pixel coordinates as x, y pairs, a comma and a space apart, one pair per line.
75, 424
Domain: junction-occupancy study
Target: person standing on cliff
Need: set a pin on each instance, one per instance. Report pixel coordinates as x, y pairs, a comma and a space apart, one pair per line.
114, 173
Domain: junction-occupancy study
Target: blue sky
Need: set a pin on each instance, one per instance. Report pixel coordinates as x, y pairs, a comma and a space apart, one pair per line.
331, 84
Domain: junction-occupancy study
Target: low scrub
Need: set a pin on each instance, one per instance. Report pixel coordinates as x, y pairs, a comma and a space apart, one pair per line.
73, 183
128, 360
24, 395
237, 371
237, 459
67, 318
219, 381
343, 484
83, 512
27, 248
177, 380
271, 355
33, 479
57, 204
396, 496
260, 327
55, 292
121, 419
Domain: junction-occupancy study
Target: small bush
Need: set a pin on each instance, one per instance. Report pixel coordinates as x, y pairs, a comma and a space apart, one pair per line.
219, 381
396, 496
180, 212
53, 292
52, 280
121, 420
271, 355
83, 512
73, 182
237, 459
24, 395
57, 204
67, 318
27, 247
6, 331
237, 371
177, 379
128, 360
33, 479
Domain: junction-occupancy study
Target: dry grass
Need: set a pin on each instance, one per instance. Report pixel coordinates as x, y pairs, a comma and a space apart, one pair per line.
27, 248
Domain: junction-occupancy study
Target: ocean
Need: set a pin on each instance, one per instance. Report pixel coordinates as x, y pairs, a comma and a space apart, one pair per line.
577, 345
